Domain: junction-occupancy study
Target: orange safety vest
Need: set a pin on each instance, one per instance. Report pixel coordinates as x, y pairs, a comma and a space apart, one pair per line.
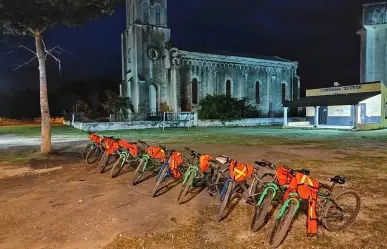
204, 162
95, 138
111, 146
284, 175
239, 172
175, 162
156, 153
132, 148
306, 188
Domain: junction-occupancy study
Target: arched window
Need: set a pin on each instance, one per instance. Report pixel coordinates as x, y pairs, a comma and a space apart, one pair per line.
382, 17
228, 88
283, 92
194, 91
158, 14
153, 98
257, 97
145, 12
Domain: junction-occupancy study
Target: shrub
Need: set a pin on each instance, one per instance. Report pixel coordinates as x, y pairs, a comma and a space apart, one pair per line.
225, 108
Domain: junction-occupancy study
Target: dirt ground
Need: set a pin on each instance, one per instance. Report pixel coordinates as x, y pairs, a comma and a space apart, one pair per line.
62, 202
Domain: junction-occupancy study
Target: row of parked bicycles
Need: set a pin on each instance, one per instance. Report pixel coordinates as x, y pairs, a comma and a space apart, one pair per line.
263, 184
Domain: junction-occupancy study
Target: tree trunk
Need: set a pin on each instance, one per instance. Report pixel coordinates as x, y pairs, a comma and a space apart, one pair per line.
45, 146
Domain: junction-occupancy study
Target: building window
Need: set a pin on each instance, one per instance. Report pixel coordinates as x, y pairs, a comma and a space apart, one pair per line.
283, 92
145, 12
385, 111
158, 14
228, 88
257, 98
194, 91
382, 17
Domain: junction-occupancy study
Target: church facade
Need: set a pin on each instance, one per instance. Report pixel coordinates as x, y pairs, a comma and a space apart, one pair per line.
155, 74
373, 60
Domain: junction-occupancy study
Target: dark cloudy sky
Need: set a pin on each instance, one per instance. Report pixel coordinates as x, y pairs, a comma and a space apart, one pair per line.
320, 34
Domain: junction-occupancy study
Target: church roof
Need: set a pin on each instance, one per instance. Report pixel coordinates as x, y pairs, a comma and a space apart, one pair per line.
244, 55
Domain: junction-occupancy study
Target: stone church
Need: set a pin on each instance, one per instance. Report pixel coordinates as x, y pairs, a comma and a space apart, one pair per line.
156, 74
373, 49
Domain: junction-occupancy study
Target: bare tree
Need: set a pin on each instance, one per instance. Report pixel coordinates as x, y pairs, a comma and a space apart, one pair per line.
34, 17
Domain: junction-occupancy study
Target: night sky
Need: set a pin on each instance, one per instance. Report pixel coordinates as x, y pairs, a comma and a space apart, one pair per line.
319, 34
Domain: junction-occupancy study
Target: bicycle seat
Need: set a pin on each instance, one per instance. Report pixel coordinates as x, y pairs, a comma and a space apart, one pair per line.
261, 164
303, 171
338, 179
222, 159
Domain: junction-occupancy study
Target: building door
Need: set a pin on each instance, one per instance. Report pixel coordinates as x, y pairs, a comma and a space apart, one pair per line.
152, 99
323, 115
362, 108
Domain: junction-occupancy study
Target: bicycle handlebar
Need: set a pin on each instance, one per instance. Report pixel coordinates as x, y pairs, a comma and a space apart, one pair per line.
193, 153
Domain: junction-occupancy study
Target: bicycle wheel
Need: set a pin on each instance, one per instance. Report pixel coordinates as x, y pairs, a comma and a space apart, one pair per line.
117, 167
261, 211
86, 150
226, 199
341, 212
185, 187
159, 181
282, 225
103, 163
93, 155
139, 170
221, 178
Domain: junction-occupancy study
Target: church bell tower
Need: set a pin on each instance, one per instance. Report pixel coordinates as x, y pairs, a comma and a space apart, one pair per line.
143, 54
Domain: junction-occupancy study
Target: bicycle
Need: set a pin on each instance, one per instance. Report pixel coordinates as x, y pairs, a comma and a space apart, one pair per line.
127, 153
236, 181
326, 202
270, 193
110, 148
197, 174
95, 140
147, 163
168, 168
95, 153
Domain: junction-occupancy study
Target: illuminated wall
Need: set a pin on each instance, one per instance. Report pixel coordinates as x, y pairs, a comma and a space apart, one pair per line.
372, 110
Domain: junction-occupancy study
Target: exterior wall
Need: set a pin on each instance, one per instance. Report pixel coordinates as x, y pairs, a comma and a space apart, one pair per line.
173, 70
373, 42
135, 125
213, 71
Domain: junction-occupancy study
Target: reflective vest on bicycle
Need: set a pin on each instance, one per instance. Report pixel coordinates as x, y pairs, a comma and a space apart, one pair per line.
111, 146
156, 153
307, 189
132, 148
95, 138
175, 161
204, 162
239, 172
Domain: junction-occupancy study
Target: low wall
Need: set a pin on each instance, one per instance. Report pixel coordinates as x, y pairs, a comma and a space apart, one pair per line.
242, 122
136, 125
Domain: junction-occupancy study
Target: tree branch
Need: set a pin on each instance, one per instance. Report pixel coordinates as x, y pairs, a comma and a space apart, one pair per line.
17, 47
22, 65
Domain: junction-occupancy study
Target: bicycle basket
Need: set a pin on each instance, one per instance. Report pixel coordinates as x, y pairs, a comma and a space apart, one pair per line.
239, 172
204, 162
156, 153
175, 161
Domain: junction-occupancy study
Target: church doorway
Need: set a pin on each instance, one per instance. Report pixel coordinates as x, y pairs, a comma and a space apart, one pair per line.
153, 98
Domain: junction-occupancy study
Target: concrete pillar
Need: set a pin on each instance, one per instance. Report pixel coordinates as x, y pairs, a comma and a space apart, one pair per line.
316, 109
285, 116
354, 116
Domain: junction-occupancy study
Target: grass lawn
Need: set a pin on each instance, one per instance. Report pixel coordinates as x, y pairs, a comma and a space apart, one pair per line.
224, 135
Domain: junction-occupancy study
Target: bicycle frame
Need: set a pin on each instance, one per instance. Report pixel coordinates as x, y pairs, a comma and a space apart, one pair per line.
242, 184
192, 169
168, 174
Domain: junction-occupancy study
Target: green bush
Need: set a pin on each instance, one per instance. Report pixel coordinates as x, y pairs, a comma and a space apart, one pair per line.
225, 108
